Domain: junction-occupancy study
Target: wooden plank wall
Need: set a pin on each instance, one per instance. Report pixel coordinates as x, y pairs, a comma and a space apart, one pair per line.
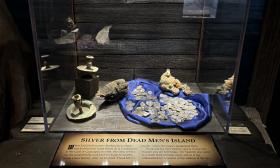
220, 50
148, 36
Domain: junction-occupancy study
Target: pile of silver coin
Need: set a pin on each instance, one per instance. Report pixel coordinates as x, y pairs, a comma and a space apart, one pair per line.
176, 109
130, 105
151, 108
141, 94
179, 109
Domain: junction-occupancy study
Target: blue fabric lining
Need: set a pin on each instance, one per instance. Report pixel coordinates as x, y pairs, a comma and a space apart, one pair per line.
224, 100
201, 101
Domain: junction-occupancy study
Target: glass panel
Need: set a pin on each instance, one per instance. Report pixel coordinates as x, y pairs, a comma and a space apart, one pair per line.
221, 43
54, 28
84, 45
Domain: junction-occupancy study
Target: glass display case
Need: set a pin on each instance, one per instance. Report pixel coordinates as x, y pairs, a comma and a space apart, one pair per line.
138, 65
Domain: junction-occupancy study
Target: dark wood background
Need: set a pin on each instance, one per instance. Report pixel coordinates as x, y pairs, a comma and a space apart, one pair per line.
251, 44
265, 86
267, 63
147, 36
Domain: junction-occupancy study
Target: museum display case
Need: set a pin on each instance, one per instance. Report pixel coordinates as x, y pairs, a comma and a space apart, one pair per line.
140, 66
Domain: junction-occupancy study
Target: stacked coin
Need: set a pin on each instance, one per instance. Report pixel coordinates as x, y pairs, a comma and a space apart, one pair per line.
141, 94
179, 109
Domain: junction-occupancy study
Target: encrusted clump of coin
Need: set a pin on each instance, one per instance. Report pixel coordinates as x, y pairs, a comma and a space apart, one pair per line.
179, 109
141, 94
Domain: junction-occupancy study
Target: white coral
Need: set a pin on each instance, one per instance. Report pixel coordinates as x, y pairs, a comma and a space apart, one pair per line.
170, 83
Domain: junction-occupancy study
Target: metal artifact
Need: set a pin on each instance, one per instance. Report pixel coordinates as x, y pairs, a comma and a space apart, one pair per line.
87, 82
102, 36
80, 109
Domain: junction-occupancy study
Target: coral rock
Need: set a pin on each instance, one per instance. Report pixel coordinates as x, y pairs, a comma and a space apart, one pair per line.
227, 86
169, 83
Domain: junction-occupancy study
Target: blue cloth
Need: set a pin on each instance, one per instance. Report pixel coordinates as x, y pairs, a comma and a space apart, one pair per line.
224, 100
201, 101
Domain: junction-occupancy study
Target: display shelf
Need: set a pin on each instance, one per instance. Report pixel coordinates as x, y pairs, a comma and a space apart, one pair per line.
109, 118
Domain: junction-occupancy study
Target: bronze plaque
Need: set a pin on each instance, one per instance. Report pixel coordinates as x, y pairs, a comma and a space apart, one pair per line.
136, 149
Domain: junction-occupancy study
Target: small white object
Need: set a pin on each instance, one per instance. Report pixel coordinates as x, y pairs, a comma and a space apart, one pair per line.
102, 36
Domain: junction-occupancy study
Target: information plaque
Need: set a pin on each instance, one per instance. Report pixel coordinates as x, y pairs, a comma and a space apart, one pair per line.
136, 149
